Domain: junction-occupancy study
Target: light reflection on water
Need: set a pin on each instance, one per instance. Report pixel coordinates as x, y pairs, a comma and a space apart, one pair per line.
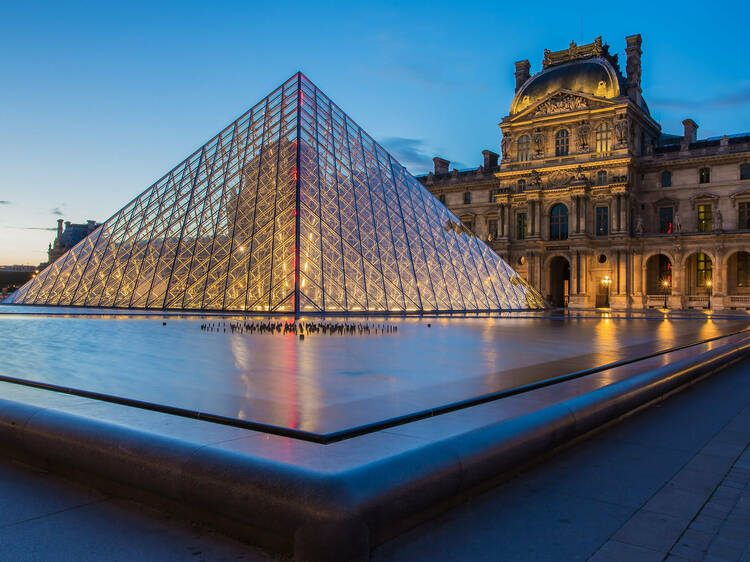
325, 383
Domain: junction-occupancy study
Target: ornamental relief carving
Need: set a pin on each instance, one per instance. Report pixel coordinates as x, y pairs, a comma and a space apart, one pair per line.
561, 104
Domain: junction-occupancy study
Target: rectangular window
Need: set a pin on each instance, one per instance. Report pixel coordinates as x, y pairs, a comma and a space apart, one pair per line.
666, 179
666, 220
745, 171
467, 198
491, 229
521, 226
704, 175
703, 269
602, 221
704, 218
744, 216
494, 193
743, 269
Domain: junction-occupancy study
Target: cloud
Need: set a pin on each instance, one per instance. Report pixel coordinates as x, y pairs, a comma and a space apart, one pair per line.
5, 202
34, 228
737, 98
57, 211
411, 153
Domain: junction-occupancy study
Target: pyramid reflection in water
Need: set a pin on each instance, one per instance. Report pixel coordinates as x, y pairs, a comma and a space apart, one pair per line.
291, 208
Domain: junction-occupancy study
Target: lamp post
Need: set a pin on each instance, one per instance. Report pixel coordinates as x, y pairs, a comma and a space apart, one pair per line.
665, 284
606, 282
708, 284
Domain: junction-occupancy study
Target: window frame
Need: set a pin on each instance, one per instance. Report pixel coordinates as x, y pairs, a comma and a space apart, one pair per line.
467, 197
602, 226
705, 217
523, 153
562, 142
703, 269
743, 215
670, 228
490, 235
704, 175
558, 223
745, 171
601, 177
521, 225
603, 138
521, 185
743, 269
668, 175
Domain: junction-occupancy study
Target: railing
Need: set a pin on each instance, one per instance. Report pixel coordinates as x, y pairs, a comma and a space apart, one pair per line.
742, 301
655, 301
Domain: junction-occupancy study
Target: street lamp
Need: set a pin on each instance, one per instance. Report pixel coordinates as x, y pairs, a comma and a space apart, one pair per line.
606, 282
665, 284
708, 284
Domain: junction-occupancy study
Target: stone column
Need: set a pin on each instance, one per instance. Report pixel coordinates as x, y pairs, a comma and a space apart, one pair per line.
584, 213
506, 221
623, 213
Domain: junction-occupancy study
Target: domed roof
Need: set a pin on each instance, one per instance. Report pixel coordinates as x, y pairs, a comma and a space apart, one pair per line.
593, 76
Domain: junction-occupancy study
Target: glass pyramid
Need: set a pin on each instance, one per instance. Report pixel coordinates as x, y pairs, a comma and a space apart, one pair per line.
291, 208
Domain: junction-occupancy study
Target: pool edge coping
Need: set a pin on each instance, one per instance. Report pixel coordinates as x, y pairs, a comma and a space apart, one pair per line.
330, 514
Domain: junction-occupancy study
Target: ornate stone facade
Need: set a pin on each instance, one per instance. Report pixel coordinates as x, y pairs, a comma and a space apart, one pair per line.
595, 206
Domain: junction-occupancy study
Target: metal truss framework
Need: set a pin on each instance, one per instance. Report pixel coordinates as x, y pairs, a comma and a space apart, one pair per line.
291, 208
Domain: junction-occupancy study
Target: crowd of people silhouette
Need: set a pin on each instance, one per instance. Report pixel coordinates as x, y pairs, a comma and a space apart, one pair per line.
301, 328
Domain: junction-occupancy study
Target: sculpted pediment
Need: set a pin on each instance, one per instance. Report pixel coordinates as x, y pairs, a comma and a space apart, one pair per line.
563, 101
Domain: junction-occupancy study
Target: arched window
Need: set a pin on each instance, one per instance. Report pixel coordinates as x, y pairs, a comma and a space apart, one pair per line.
558, 222
562, 143
467, 197
524, 149
666, 179
521, 186
603, 137
601, 177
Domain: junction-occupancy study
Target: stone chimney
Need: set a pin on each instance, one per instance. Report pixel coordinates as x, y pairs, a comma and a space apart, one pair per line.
490, 159
633, 67
522, 73
59, 227
691, 130
441, 165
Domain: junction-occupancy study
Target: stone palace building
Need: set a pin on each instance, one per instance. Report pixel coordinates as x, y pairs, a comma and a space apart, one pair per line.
594, 205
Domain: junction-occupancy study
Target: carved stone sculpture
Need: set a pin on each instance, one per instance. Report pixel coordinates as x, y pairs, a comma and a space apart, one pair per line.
561, 104
582, 137
536, 179
639, 229
677, 223
539, 143
621, 132
505, 147
718, 220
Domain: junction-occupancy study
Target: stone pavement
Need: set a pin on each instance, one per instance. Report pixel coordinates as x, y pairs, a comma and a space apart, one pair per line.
671, 482
668, 483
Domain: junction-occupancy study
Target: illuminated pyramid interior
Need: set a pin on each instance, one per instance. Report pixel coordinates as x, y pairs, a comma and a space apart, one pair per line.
291, 208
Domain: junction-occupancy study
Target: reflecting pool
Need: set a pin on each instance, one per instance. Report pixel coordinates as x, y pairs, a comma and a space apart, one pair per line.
327, 383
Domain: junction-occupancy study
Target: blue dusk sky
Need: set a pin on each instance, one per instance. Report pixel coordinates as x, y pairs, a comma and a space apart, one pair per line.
100, 99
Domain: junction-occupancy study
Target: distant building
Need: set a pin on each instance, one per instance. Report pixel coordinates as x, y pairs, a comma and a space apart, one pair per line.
69, 237
594, 205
